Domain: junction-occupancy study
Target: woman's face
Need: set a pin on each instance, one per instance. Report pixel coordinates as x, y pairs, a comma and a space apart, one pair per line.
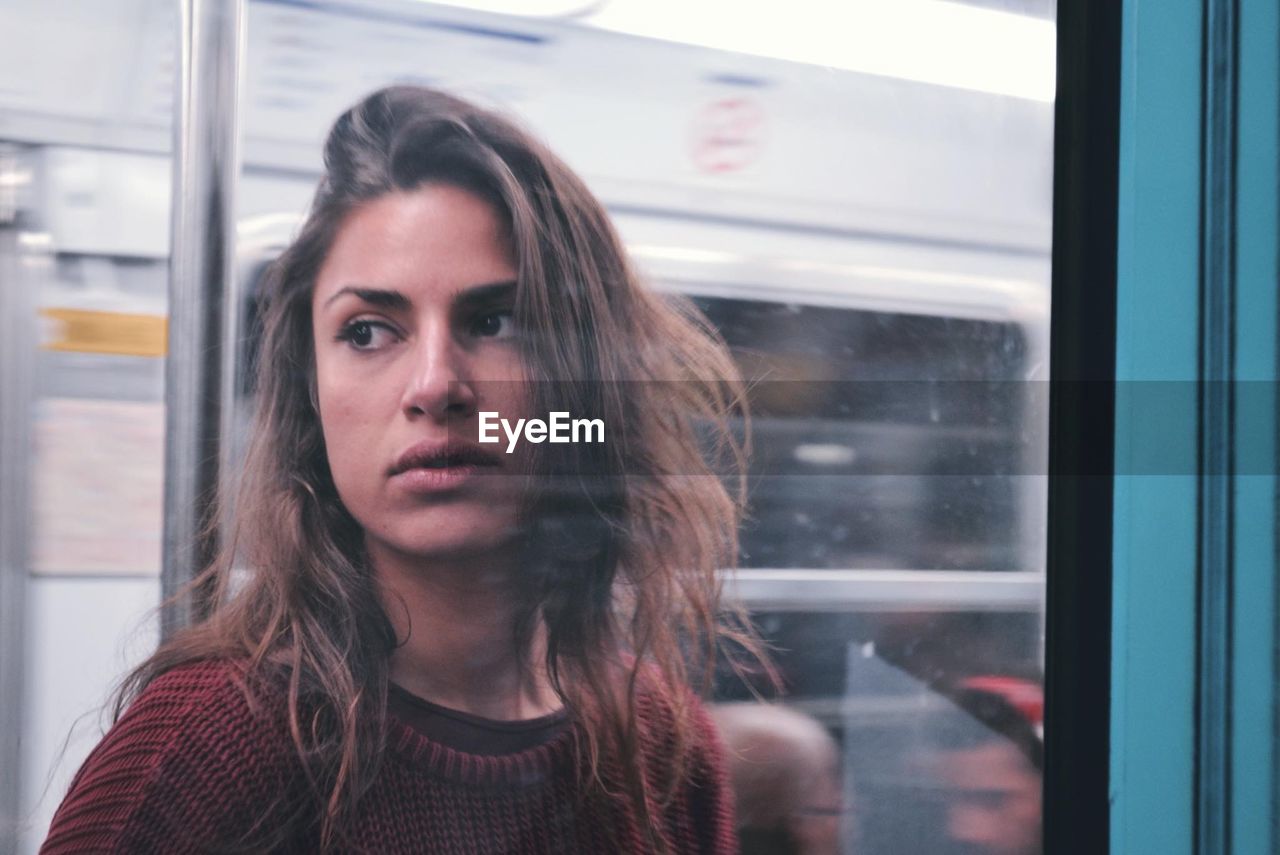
413, 330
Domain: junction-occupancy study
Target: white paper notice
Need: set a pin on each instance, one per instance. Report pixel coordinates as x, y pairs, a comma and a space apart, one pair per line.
99, 483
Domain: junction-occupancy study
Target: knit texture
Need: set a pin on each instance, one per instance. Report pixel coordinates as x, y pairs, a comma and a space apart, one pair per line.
194, 766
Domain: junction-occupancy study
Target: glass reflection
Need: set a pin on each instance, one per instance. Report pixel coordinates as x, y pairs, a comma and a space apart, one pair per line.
891, 733
843, 226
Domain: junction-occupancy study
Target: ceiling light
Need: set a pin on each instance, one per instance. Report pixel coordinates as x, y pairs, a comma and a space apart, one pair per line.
527, 8
929, 41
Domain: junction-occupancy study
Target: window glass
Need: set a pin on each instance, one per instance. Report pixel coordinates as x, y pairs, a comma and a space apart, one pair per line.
882, 440
858, 196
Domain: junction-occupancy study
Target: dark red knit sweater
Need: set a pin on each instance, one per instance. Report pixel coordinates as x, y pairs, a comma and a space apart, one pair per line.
192, 766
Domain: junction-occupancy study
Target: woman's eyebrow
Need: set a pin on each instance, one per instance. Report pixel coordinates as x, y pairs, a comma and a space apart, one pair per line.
381, 297
490, 292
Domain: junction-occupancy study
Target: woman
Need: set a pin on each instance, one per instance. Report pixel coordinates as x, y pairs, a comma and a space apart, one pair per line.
445, 647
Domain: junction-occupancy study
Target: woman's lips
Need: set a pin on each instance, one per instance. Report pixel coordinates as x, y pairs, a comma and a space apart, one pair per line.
439, 479
440, 465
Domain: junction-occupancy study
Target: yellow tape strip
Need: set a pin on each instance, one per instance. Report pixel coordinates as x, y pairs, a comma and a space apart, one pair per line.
85, 331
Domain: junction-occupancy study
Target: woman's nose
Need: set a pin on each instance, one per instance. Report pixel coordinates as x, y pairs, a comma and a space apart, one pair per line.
438, 386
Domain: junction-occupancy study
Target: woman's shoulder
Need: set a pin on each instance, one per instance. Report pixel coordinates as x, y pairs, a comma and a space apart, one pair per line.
197, 752
663, 709
678, 721
208, 702
214, 690
660, 700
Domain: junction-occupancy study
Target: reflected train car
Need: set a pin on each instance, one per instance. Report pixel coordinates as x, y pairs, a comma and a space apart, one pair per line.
884, 287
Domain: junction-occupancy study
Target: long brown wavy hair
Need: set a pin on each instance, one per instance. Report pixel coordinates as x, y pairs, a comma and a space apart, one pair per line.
627, 536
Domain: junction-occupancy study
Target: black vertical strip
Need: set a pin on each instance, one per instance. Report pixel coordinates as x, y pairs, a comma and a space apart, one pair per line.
1216, 414
1081, 432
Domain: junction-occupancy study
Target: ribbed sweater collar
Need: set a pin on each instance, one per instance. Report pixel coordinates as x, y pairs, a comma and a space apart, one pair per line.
521, 769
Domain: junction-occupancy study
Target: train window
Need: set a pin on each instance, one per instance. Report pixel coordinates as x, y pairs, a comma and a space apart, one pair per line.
896, 454
857, 196
882, 440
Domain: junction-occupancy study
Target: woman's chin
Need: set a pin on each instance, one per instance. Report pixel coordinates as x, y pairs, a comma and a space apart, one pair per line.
451, 533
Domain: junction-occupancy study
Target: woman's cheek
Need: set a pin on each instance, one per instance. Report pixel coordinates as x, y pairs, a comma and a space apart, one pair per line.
349, 450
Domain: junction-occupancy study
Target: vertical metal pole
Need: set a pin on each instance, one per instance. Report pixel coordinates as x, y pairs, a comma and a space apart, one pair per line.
201, 302
17, 368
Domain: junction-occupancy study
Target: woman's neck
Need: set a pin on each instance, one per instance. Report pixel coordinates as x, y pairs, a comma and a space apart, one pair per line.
455, 621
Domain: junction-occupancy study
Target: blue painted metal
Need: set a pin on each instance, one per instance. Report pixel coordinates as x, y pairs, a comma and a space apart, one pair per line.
1256, 747
1195, 731
1157, 339
1216, 415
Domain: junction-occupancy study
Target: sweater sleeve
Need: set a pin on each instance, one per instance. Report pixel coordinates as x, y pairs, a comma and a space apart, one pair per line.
191, 766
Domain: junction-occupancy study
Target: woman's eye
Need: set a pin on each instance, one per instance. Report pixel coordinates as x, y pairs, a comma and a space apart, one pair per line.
494, 325
366, 335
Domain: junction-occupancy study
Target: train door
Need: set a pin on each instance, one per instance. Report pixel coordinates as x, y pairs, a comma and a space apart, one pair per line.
860, 198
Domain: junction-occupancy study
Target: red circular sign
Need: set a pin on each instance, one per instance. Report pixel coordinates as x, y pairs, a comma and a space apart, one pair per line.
728, 135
